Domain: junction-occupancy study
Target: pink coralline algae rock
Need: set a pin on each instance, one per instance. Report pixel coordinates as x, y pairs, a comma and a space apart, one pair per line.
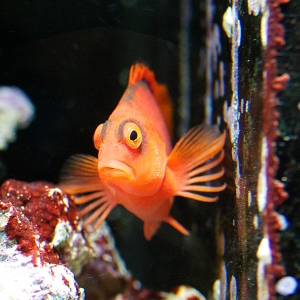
43, 248
105, 275
179, 293
37, 210
41, 236
24, 274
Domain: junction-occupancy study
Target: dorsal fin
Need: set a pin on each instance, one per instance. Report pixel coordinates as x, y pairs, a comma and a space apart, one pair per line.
139, 72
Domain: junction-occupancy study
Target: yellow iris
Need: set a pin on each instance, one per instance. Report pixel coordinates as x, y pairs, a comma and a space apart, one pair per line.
132, 135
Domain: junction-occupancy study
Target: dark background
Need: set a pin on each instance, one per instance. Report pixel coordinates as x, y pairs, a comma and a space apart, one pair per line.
72, 59
288, 144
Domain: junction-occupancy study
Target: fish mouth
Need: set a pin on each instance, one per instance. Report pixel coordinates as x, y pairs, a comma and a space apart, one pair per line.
117, 167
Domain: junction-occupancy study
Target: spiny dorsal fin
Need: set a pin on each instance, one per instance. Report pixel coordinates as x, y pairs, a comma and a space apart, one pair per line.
139, 72
194, 159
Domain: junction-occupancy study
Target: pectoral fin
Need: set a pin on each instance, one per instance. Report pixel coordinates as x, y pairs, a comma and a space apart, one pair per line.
79, 177
195, 163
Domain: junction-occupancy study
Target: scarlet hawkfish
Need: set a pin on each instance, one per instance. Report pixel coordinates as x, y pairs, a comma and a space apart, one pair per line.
136, 165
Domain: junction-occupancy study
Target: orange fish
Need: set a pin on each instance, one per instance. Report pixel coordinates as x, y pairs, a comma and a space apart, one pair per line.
136, 166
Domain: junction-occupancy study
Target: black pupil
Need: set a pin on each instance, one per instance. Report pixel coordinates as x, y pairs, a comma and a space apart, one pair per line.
133, 135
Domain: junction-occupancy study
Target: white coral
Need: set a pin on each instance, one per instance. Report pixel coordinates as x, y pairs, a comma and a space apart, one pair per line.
16, 111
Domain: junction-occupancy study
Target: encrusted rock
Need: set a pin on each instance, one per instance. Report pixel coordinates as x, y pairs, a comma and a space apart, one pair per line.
43, 248
25, 272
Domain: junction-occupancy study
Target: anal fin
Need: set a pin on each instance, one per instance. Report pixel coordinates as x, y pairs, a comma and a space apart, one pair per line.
150, 229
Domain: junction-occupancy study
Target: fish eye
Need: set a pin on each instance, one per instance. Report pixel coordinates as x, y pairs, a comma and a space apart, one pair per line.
132, 135
97, 136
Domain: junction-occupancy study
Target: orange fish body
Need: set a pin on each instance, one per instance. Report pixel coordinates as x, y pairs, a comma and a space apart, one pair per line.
136, 166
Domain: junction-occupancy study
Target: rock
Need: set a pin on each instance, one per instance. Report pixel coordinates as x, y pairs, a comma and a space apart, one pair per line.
41, 226
43, 248
26, 269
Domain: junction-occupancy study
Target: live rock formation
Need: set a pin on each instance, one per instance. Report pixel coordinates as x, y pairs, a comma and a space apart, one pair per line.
43, 248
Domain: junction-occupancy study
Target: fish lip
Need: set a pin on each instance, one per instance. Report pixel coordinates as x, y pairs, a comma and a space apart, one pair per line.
115, 165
